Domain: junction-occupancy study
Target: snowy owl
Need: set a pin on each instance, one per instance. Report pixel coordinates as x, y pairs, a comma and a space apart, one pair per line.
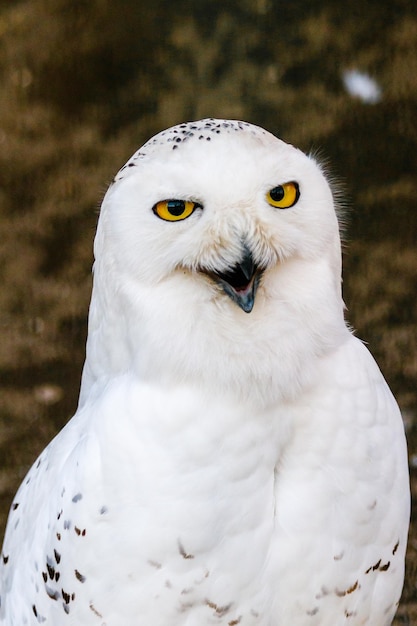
236, 457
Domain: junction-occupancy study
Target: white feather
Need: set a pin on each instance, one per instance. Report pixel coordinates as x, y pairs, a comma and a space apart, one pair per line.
223, 467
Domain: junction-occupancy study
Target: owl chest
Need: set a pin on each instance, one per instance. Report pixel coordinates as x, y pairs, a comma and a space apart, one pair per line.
183, 528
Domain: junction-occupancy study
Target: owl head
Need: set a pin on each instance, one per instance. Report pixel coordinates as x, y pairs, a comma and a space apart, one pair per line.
217, 260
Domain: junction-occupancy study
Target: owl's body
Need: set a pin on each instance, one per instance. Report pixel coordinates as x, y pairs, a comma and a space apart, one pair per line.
236, 457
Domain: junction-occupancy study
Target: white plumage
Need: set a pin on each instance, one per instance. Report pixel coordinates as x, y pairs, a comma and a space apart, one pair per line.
236, 456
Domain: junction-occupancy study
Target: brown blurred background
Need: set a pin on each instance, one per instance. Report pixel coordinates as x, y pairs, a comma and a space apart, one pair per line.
84, 83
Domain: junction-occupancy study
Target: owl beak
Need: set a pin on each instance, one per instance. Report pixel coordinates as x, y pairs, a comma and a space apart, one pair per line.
241, 281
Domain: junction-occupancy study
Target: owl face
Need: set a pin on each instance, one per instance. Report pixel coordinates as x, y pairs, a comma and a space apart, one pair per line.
216, 241
221, 203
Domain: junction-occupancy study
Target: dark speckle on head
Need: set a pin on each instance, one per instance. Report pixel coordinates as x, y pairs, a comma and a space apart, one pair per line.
207, 129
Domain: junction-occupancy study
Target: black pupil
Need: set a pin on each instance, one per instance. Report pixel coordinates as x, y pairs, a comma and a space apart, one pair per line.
176, 207
277, 193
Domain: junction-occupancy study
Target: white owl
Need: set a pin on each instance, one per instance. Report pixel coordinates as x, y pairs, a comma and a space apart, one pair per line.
236, 456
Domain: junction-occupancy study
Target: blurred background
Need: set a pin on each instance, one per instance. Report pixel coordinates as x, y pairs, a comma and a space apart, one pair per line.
85, 83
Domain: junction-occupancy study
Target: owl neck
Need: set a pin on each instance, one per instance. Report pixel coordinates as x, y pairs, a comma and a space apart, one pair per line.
174, 334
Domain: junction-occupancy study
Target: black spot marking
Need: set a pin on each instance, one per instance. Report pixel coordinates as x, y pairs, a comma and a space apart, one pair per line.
58, 536
66, 596
182, 551
201, 580
313, 611
5, 559
350, 614
57, 556
59, 514
14, 506
52, 593
338, 557
353, 587
219, 610
77, 497
39, 618
51, 571
233, 622
208, 128
66, 608
323, 592
395, 548
79, 531
79, 576
373, 567
57, 576
383, 568
67, 524
350, 589
103, 510
44, 576
92, 608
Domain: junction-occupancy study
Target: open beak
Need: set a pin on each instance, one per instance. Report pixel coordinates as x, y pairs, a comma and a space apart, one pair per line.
241, 281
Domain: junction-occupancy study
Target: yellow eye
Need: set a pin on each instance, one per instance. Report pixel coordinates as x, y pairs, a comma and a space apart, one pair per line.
175, 210
283, 196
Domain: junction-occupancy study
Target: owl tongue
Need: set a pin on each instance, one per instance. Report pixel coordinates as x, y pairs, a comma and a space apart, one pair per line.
241, 281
